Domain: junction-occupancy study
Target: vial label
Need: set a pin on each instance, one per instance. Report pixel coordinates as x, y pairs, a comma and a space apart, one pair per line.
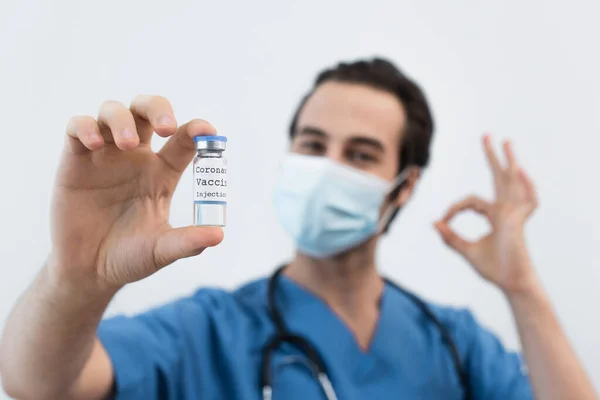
210, 181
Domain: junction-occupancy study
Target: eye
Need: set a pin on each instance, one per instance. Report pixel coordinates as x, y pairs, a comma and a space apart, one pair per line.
359, 156
312, 147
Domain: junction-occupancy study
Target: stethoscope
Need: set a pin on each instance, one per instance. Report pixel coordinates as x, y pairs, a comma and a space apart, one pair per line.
315, 362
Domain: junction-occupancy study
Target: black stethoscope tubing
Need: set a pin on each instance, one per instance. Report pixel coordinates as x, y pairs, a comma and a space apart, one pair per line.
283, 335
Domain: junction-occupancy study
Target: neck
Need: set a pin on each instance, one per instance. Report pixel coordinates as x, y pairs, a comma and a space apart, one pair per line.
348, 283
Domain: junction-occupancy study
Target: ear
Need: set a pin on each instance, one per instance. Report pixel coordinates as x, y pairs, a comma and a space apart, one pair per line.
407, 189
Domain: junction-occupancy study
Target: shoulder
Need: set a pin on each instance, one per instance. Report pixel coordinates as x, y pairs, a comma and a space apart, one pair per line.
253, 293
464, 328
245, 305
473, 338
249, 295
246, 300
459, 320
453, 318
209, 315
160, 347
204, 307
493, 370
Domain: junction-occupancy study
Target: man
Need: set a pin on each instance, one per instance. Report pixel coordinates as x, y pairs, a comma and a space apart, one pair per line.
359, 141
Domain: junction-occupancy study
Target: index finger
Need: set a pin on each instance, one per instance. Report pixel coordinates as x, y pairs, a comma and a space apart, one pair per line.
474, 203
513, 166
180, 149
153, 114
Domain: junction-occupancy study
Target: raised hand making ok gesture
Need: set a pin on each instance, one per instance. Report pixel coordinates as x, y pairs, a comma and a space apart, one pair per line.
501, 256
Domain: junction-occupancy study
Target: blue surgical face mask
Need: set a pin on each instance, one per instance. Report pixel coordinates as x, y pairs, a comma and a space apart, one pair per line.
328, 207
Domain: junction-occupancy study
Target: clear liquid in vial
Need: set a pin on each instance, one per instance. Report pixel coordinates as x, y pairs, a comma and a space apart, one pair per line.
210, 183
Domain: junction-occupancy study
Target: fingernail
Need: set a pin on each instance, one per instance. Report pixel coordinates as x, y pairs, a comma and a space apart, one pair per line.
165, 120
127, 133
94, 137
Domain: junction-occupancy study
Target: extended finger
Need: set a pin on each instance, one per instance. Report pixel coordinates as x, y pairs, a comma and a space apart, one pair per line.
117, 124
513, 166
184, 242
491, 155
153, 114
180, 149
83, 134
473, 203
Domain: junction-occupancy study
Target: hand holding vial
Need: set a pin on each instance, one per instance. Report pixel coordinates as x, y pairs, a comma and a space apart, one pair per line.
112, 196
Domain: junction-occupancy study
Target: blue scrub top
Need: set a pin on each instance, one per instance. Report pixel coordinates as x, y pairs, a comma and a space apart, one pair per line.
208, 347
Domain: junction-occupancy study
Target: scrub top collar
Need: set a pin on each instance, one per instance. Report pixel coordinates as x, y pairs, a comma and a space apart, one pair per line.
307, 315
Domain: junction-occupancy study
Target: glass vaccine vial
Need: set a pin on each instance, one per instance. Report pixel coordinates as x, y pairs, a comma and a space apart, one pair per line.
210, 181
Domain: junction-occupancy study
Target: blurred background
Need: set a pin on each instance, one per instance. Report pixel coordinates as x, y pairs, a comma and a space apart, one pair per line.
528, 71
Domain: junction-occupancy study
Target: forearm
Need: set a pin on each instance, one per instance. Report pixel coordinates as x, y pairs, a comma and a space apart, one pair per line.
554, 369
49, 337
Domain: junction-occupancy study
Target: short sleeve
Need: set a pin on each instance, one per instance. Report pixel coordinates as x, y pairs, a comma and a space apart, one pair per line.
494, 372
155, 354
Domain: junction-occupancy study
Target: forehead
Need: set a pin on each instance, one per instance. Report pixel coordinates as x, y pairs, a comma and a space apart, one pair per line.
345, 110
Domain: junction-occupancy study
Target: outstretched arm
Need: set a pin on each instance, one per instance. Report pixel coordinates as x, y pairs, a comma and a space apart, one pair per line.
502, 258
109, 227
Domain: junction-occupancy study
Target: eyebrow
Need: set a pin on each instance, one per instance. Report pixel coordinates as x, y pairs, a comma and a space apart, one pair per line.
310, 130
360, 139
368, 142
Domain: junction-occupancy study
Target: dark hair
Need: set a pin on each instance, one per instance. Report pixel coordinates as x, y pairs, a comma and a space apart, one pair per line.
382, 74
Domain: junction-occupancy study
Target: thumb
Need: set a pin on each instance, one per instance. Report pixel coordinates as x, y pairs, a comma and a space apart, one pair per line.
451, 238
173, 244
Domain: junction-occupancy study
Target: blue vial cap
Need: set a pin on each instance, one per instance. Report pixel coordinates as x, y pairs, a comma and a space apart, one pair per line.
203, 138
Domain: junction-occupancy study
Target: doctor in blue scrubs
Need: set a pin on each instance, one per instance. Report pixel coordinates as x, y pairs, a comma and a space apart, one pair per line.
325, 325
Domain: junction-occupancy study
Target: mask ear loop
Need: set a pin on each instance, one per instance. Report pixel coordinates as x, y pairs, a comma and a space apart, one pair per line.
392, 210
